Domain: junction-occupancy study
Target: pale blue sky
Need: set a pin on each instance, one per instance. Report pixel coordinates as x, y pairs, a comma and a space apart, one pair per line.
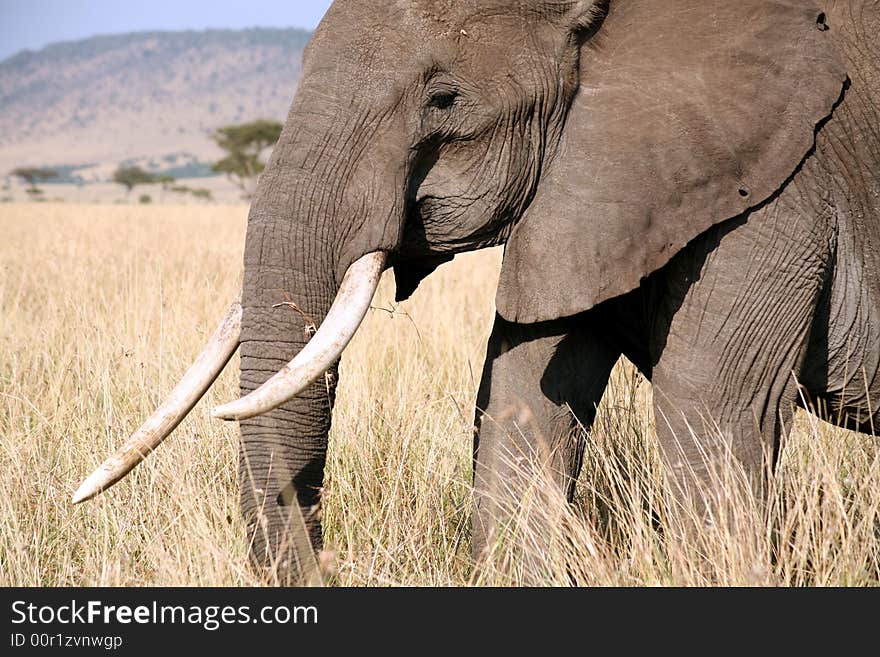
33, 24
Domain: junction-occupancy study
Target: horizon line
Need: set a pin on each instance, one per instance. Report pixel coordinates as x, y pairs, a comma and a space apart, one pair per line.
99, 35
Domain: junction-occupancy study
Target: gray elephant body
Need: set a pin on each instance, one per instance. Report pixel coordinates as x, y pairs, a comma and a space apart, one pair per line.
773, 310
695, 186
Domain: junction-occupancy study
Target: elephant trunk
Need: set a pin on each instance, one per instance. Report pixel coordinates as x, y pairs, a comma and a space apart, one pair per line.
288, 382
287, 292
332, 197
311, 268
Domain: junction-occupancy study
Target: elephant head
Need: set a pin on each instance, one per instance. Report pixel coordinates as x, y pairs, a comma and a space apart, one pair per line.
595, 139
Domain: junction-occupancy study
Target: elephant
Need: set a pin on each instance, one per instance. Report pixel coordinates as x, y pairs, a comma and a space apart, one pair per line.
692, 184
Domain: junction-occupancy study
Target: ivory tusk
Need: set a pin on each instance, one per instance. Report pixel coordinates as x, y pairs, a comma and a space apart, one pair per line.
198, 378
342, 322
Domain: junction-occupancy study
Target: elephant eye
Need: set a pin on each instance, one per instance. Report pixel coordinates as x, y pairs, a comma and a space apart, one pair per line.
442, 97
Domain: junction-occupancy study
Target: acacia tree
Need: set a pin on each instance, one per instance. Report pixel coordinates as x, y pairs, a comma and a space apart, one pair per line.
131, 177
244, 145
33, 175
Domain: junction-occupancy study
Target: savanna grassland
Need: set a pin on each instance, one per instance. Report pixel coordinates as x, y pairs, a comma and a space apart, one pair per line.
102, 308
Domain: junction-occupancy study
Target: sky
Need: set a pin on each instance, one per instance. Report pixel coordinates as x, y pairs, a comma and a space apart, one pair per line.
33, 24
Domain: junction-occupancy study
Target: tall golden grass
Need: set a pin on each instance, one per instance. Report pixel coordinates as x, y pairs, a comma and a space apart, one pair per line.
102, 309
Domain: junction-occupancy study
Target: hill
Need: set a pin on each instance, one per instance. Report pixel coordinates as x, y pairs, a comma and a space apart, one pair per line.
149, 98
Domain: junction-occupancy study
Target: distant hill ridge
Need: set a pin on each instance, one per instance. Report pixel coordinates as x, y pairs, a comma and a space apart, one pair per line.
147, 97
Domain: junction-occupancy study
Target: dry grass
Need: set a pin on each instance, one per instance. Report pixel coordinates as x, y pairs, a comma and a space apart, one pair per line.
102, 308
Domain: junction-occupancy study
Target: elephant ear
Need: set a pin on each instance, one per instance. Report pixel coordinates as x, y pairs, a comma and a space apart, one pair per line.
689, 113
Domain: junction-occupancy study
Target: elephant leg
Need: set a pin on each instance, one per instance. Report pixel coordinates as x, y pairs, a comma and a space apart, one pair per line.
538, 395
729, 345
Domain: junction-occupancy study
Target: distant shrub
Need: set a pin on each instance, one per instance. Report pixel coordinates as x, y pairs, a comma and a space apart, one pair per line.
145, 199
204, 194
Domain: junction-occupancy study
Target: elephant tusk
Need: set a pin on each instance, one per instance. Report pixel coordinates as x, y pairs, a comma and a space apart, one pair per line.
342, 322
194, 384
